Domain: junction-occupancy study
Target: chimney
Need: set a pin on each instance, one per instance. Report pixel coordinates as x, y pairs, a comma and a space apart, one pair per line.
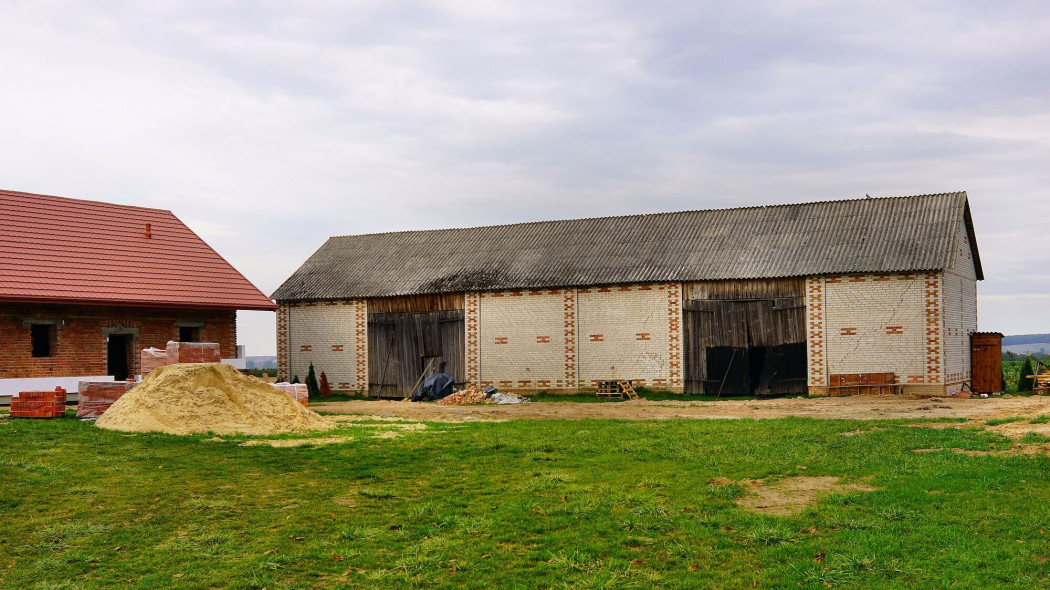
149, 232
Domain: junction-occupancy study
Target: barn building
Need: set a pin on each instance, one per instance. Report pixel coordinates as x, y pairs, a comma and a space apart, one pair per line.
85, 285
776, 299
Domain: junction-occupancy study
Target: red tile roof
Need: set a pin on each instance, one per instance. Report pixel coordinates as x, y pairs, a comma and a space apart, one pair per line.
59, 250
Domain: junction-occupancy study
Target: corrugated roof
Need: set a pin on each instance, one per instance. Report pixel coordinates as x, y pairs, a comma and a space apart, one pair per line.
54, 249
897, 234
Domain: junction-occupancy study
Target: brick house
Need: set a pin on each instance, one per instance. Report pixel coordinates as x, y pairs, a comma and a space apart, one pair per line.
776, 299
85, 285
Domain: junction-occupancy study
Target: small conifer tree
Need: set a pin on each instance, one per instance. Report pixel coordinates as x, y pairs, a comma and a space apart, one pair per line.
295, 379
311, 382
1003, 386
1024, 383
325, 388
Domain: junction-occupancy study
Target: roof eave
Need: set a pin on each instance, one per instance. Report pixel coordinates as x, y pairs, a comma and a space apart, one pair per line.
139, 304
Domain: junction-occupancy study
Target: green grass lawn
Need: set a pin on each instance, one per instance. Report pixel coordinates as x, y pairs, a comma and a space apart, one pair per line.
582, 504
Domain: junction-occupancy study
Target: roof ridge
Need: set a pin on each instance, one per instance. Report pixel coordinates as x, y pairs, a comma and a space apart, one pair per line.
639, 215
76, 200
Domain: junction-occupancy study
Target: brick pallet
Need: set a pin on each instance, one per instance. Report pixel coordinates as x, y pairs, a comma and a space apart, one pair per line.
39, 404
296, 391
95, 397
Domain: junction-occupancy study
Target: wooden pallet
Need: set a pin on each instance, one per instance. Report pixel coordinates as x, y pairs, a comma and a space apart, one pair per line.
627, 389
616, 389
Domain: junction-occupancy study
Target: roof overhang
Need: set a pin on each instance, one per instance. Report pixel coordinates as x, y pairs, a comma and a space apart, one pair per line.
137, 304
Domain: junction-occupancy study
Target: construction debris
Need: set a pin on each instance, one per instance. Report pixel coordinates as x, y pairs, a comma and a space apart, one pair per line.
208, 397
475, 395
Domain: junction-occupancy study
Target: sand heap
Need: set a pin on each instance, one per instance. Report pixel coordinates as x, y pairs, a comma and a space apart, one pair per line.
211, 397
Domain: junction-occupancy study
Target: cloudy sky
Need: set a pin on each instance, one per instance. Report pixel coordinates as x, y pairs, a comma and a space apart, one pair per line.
269, 126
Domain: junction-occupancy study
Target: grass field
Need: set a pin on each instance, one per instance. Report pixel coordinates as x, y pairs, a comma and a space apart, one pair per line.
521, 504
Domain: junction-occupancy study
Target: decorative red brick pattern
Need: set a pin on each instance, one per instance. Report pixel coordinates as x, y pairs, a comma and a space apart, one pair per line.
305, 348
597, 337
570, 338
501, 340
815, 329
643, 336
543, 339
894, 329
471, 319
674, 333
933, 328
361, 343
337, 348
282, 343
848, 331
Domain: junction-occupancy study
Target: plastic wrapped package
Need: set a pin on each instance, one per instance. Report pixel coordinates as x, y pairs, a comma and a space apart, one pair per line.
193, 352
153, 359
95, 397
297, 391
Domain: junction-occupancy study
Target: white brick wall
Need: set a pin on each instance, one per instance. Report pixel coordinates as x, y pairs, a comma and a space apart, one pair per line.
521, 336
960, 313
326, 334
876, 323
624, 334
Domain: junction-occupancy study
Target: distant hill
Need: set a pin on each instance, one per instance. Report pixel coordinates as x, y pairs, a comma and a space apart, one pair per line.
260, 362
1026, 339
1026, 343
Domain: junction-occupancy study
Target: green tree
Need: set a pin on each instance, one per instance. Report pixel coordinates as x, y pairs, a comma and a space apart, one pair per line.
1003, 386
295, 379
311, 383
1024, 382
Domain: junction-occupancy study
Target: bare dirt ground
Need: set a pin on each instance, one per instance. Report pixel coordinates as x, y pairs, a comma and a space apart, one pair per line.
858, 407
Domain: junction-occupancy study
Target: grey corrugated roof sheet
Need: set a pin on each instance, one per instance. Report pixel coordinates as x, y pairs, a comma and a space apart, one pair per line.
897, 234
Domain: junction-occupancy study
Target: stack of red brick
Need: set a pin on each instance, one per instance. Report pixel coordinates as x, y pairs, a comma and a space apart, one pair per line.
97, 396
39, 404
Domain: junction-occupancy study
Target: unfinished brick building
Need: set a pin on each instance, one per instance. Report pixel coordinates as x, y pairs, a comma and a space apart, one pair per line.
779, 299
85, 285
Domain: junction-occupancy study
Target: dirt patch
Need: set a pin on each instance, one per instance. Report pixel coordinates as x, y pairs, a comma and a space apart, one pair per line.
791, 494
296, 442
208, 397
859, 431
1015, 450
719, 481
866, 407
939, 425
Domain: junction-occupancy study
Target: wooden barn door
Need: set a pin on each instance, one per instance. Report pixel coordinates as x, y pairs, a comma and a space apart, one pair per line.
745, 338
404, 347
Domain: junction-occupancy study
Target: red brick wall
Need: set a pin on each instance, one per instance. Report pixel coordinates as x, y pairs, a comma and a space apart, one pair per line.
81, 346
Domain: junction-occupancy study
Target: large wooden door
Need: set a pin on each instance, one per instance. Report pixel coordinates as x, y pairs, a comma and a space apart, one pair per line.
404, 347
744, 347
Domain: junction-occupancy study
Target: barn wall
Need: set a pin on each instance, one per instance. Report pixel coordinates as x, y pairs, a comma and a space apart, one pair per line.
876, 323
330, 334
960, 314
631, 332
522, 339
563, 339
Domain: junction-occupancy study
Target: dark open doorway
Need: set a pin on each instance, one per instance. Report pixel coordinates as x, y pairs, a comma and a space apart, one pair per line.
745, 338
118, 356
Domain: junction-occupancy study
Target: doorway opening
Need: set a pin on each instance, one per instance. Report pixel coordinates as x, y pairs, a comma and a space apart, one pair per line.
118, 356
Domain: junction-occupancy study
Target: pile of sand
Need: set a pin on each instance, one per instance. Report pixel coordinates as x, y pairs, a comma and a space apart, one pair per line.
211, 397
